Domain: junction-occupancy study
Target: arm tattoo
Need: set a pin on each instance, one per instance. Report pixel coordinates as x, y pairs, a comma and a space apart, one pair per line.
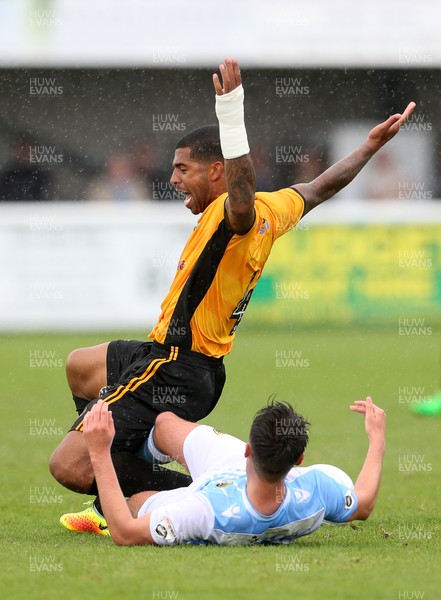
241, 186
241, 179
339, 175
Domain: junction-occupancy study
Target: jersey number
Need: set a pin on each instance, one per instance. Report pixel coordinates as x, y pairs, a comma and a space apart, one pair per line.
240, 309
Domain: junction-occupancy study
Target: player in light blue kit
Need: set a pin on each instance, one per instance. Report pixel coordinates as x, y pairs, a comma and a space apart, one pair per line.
242, 493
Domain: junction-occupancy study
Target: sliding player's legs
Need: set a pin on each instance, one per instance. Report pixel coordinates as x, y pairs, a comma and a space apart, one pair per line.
86, 371
167, 379
199, 448
89, 370
70, 464
170, 433
207, 449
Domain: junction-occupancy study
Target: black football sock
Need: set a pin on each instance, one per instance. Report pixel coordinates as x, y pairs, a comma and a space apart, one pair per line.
136, 475
80, 404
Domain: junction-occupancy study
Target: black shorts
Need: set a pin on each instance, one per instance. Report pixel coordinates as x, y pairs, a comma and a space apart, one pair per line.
121, 355
146, 378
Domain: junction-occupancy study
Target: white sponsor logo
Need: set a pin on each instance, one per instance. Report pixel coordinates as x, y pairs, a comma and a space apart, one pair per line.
232, 512
301, 495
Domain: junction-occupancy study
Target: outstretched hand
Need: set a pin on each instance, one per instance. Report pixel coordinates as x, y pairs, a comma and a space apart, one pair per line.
384, 132
99, 429
231, 78
374, 417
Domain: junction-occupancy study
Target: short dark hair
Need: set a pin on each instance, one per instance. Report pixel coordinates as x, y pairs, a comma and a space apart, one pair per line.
278, 438
204, 144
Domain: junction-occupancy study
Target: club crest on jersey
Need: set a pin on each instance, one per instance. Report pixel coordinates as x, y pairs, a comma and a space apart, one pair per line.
181, 265
264, 227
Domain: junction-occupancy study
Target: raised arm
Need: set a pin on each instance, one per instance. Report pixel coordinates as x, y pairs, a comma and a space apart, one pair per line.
343, 172
368, 482
124, 528
239, 170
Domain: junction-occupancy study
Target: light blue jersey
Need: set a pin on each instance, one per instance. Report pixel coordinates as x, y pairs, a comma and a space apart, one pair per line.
217, 509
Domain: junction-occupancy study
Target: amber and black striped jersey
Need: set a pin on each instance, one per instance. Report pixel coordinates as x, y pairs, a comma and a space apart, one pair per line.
218, 271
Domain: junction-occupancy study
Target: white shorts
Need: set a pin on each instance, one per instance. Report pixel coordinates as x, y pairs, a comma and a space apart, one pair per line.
205, 450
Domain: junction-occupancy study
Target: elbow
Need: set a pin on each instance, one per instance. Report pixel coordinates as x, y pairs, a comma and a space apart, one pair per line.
363, 515
363, 512
120, 540
129, 537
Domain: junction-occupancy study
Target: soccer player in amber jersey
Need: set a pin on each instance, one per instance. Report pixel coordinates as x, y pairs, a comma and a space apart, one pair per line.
217, 273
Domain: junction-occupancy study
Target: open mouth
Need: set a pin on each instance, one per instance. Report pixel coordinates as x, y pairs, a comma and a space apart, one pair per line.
186, 196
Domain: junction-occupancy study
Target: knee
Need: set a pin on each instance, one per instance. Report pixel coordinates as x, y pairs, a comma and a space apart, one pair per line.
74, 365
56, 467
82, 373
69, 475
163, 422
164, 418
86, 371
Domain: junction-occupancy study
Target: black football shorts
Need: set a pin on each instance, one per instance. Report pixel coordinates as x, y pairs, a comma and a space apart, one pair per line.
146, 378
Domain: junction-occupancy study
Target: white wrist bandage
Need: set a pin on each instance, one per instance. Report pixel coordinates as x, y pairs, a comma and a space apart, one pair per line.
230, 113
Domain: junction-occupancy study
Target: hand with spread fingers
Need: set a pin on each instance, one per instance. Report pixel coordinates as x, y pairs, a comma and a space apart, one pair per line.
231, 78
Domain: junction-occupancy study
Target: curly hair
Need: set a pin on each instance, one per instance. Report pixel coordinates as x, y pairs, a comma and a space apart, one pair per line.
204, 144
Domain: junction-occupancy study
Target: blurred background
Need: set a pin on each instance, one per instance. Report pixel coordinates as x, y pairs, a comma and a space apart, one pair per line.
94, 97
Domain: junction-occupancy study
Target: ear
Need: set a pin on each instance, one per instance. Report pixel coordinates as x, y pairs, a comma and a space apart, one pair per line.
216, 170
247, 450
300, 460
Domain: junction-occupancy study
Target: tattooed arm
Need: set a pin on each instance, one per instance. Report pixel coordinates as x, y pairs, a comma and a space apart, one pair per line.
241, 186
339, 175
239, 172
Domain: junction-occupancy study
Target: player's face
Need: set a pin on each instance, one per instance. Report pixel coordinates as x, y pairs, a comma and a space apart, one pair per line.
191, 178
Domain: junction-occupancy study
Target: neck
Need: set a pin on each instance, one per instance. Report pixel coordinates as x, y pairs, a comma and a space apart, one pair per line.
218, 188
264, 496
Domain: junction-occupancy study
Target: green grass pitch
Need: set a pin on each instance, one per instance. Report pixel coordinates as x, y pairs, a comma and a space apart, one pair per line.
396, 554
